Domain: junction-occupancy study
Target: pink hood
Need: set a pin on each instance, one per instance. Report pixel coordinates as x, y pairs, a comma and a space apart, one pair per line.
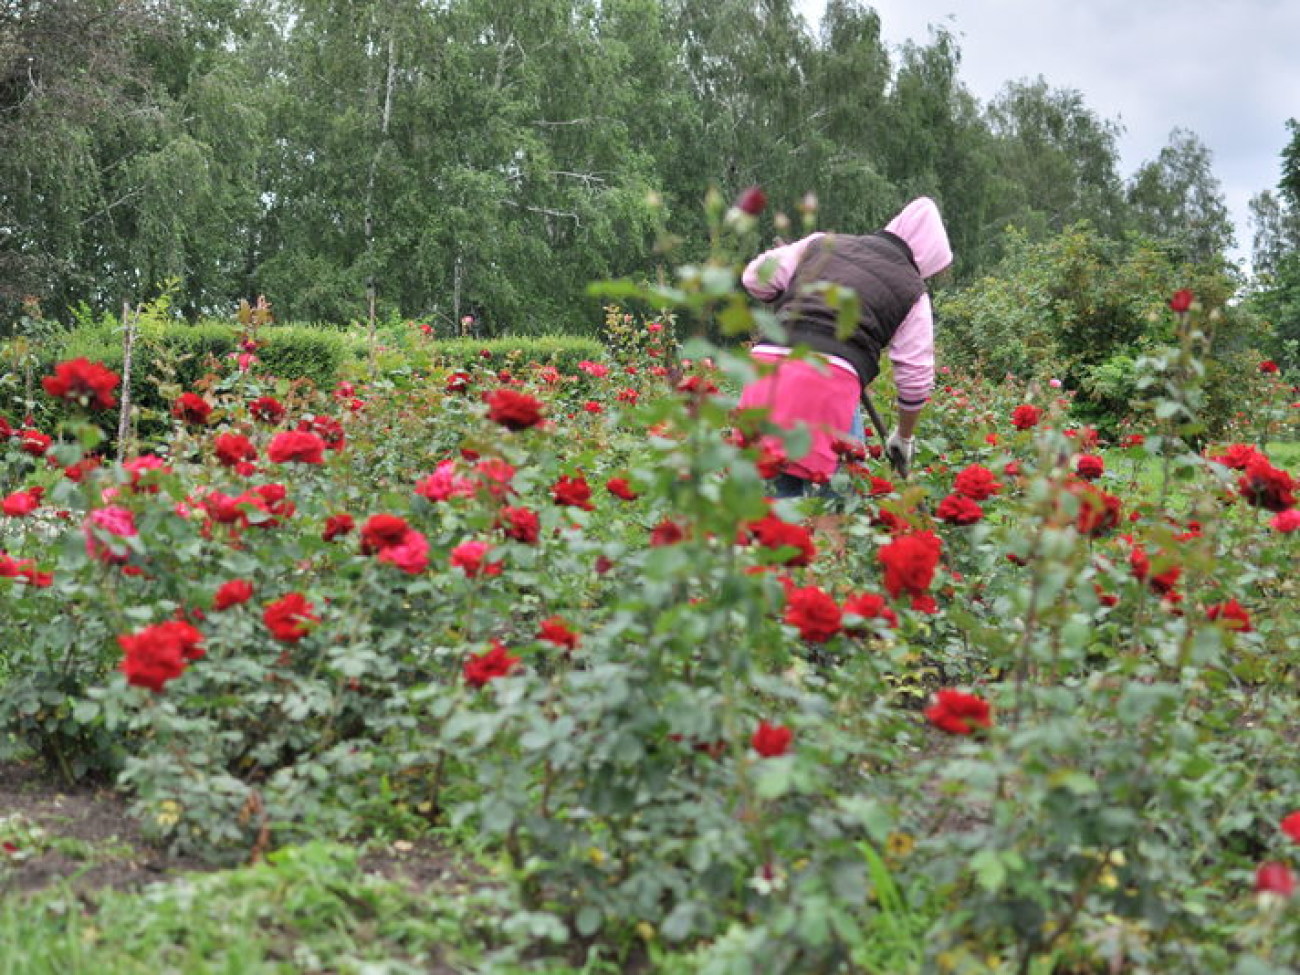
921, 226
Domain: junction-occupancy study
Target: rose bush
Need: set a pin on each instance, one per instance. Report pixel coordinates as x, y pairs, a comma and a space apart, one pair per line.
874, 730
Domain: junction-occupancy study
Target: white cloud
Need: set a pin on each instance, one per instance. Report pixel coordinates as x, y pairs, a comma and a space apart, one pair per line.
1226, 70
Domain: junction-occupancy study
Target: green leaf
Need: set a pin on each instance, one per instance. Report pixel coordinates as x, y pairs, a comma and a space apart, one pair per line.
775, 776
872, 814
588, 920
848, 312
990, 872
85, 712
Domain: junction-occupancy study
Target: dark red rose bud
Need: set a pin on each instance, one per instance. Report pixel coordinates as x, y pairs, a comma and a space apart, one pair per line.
752, 201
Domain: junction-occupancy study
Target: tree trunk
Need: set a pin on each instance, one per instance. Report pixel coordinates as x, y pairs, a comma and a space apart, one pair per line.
128, 347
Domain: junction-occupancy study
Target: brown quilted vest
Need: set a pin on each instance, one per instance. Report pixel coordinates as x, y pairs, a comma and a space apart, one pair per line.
879, 267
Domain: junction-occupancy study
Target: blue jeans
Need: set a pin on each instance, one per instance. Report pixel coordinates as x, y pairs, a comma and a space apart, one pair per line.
859, 429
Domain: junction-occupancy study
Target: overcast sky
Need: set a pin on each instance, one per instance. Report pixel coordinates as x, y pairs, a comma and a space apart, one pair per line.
1228, 70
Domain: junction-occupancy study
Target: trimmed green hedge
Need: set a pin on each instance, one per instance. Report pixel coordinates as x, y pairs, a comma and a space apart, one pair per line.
182, 354
422, 354
170, 355
175, 354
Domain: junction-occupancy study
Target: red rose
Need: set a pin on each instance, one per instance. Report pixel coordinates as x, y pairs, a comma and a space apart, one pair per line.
497, 475
667, 532
34, 442
234, 448
573, 492
457, 382
1090, 466
267, 409
1025, 416
881, 486
290, 618
186, 636
513, 410
619, 487
870, 606
958, 713
957, 509
1266, 486
771, 740
1181, 300
1232, 613
752, 201
1099, 512
1291, 825
556, 630
1237, 456
158, 654
488, 666
192, 408
296, 445
272, 500
83, 382
976, 482
1162, 583
411, 554
329, 429
221, 508
1275, 878
848, 450
78, 471
471, 558
521, 524
21, 503
814, 613
336, 526
910, 561
11, 568
1286, 521
773, 533
1267, 366
144, 471
381, 531
925, 603
233, 593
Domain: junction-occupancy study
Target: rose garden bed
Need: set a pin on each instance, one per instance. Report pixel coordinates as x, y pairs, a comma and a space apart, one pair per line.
515, 667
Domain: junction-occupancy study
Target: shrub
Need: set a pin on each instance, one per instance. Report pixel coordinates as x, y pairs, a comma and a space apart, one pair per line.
1083, 310
170, 356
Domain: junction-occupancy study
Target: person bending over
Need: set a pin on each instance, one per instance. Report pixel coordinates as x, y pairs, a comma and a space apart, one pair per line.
887, 270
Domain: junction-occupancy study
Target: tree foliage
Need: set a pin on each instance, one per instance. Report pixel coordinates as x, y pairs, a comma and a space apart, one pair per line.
487, 159
1083, 309
1275, 294
1177, 198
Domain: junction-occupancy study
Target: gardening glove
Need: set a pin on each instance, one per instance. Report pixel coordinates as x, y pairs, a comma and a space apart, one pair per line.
900, 451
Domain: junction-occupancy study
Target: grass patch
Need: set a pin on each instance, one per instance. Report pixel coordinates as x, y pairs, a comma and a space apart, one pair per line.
309, 909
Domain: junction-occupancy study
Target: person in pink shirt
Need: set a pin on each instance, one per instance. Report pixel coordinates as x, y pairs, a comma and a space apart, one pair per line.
888, 271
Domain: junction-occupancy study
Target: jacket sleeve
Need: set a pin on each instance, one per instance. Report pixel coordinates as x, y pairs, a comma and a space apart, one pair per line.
767, 276
912, 353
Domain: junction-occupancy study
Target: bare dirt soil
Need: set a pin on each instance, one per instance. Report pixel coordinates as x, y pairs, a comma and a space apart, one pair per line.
89, 840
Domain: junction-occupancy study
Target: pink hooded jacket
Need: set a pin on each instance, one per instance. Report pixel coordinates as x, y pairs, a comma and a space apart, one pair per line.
912, 349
